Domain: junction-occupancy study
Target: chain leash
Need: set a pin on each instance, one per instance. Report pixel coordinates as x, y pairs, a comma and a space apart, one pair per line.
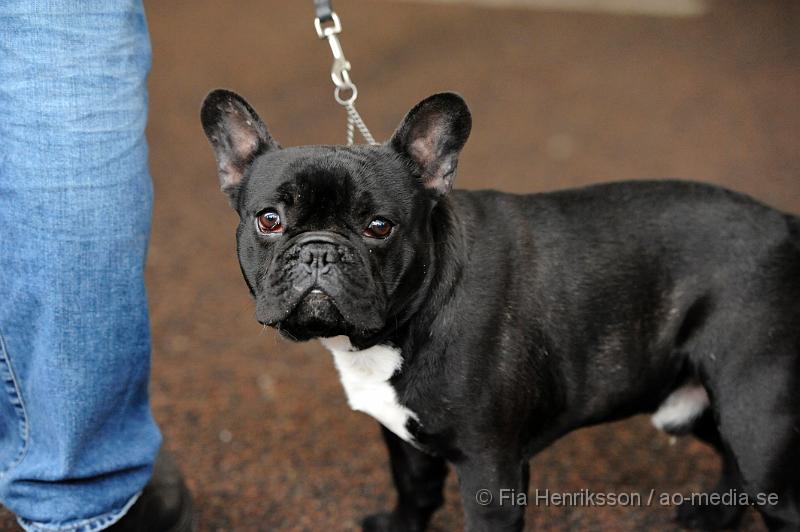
345, 92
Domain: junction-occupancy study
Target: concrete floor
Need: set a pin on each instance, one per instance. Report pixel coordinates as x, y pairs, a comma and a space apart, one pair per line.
559, 99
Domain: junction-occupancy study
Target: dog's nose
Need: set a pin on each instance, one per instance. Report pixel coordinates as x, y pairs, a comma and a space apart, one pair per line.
319, 256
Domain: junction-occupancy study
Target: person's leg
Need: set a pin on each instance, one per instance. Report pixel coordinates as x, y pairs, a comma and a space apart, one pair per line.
77, 439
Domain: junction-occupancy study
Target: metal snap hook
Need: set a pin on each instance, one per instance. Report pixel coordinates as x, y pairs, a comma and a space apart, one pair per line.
334, 28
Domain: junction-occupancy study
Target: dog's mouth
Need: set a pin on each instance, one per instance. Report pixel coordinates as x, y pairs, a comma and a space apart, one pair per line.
317, 305
316, 315
320, 287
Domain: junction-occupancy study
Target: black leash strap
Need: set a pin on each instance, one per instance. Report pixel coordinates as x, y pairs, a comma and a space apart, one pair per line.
323, 10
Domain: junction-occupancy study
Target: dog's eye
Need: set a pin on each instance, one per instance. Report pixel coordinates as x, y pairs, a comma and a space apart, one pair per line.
378, 228
269, 222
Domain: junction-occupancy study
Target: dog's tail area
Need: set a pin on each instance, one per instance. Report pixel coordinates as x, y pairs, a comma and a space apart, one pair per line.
793, 230
793, 223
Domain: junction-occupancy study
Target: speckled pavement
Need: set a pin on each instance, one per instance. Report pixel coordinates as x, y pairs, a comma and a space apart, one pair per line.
261, 426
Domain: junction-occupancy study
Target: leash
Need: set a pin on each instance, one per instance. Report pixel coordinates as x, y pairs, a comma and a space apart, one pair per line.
328, 26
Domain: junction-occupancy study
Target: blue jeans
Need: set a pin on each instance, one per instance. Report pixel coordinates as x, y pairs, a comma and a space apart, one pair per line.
77, 438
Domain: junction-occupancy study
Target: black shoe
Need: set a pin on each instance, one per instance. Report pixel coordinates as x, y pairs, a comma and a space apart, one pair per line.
165, 504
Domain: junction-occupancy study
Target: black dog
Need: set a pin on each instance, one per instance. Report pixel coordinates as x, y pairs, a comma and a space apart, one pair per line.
479, 327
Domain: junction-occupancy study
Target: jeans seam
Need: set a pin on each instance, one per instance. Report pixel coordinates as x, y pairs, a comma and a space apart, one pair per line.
91, 524
15, 396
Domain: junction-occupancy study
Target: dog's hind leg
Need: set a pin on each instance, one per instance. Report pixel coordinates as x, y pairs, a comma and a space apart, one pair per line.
714, 516
757, 399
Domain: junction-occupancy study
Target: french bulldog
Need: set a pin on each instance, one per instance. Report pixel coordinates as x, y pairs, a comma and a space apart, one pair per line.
478, 327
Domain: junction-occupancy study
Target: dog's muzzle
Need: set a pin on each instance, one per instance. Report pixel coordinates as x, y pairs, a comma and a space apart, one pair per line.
319, 252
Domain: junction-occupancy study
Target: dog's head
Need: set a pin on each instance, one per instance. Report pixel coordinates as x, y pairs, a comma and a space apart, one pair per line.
334, 240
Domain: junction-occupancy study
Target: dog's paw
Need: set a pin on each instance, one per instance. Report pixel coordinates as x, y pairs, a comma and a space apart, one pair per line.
390, 522
377, 523
708, 516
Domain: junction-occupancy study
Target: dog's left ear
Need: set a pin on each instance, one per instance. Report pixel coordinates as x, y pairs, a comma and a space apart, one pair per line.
237, 135
432, 135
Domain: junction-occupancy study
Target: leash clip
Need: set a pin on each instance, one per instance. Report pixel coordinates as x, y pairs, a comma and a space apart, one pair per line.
333, 28
340, 71
345, 92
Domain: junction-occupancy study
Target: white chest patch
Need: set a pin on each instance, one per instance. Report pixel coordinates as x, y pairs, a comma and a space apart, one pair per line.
365, 376
682, 407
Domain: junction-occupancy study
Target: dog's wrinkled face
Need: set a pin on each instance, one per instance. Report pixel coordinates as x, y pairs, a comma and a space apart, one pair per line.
334, 240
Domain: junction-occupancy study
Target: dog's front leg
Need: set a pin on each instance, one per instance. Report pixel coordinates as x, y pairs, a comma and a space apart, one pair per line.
494, 492
419, 479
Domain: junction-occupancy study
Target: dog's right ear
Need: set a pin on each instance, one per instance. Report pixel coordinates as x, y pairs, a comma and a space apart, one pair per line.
237, 135
432, 135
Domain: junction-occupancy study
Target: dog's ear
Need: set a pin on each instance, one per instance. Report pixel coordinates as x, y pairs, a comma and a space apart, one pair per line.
237, 135
432, 135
